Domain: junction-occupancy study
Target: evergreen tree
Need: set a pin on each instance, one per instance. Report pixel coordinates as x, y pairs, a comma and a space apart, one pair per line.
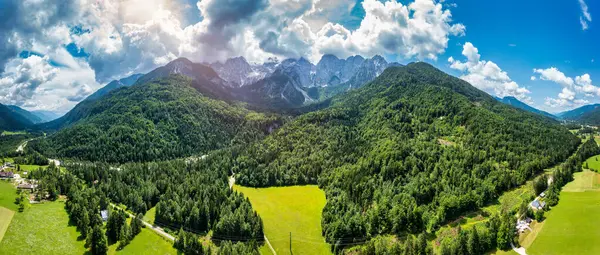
136, 225
473, 244
99, 245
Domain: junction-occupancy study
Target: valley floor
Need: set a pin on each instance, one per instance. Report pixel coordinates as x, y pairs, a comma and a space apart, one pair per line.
44, 229
571, 226
294, 211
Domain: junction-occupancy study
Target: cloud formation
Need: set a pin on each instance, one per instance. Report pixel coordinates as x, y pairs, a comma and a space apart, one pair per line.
487, 76
585, 17
122, 37
574, 91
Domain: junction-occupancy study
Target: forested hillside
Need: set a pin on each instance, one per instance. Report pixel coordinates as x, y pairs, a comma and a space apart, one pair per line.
163, 119
408, 152
11, 120
518, 104
589, 117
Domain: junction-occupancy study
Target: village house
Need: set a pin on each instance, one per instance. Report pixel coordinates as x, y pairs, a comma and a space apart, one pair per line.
104, 215
29, 186
538, 205
6, 175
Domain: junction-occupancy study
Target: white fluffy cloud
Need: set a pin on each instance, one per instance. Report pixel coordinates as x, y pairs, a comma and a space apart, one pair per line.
487, 76
573, 91
34, 83
121, 37
553, 74
585, 17
420, 29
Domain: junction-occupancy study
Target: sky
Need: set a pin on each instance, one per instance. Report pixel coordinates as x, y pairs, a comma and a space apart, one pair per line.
53, 54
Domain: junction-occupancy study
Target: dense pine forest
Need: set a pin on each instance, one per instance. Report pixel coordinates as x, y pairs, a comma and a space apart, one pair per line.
159, 120
406, 153
191, 199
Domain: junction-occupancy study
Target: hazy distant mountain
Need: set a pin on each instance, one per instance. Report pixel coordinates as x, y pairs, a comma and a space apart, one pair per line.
518, 104
26, 114
575, 114
47, 115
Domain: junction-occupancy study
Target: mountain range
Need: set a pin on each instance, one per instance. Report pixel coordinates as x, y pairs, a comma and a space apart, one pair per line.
272, 85
509, 100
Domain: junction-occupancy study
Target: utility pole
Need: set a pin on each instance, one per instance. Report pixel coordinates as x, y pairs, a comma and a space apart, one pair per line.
291, 243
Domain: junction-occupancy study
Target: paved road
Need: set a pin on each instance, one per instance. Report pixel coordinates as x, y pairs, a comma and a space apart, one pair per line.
156, 229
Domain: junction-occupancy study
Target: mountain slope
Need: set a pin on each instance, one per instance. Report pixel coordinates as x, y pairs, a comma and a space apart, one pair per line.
162, 119
512, 101
125, 82
26, 114
83, 108
407, 152
589, 115
576, 114
10, 120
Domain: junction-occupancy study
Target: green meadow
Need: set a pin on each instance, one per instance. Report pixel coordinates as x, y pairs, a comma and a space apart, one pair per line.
592, 163
296, 210
44, 229
41, 229
570, 227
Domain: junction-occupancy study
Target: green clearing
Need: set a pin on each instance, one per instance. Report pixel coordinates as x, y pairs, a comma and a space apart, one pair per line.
150, 215
8, 194
41, 229
593, 163
5, 218
14, 133
295, 209
147, 242
569, 227
583, 181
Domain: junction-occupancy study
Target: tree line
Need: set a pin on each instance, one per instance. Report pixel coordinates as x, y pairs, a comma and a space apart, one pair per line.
191, 197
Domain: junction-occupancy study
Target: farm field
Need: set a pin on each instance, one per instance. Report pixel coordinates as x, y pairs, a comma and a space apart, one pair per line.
32, 231
567, 230
295, 209
5, 218
8, 194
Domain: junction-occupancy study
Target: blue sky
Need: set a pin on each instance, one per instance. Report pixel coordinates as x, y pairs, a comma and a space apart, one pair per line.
495, 45
542, 34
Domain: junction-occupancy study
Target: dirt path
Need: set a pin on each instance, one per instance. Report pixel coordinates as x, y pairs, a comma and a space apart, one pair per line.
156, 229
269, 244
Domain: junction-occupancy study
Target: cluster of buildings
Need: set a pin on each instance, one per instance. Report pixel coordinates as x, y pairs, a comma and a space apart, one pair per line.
6, 171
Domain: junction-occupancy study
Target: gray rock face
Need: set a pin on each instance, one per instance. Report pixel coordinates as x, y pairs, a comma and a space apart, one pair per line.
239, 72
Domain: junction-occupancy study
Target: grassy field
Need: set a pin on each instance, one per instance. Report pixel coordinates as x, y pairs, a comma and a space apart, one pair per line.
570, 227
5, 218
8, 194
14, 133
592, 163
145, 243
295, 209
41, 229
583, 181
150, 215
